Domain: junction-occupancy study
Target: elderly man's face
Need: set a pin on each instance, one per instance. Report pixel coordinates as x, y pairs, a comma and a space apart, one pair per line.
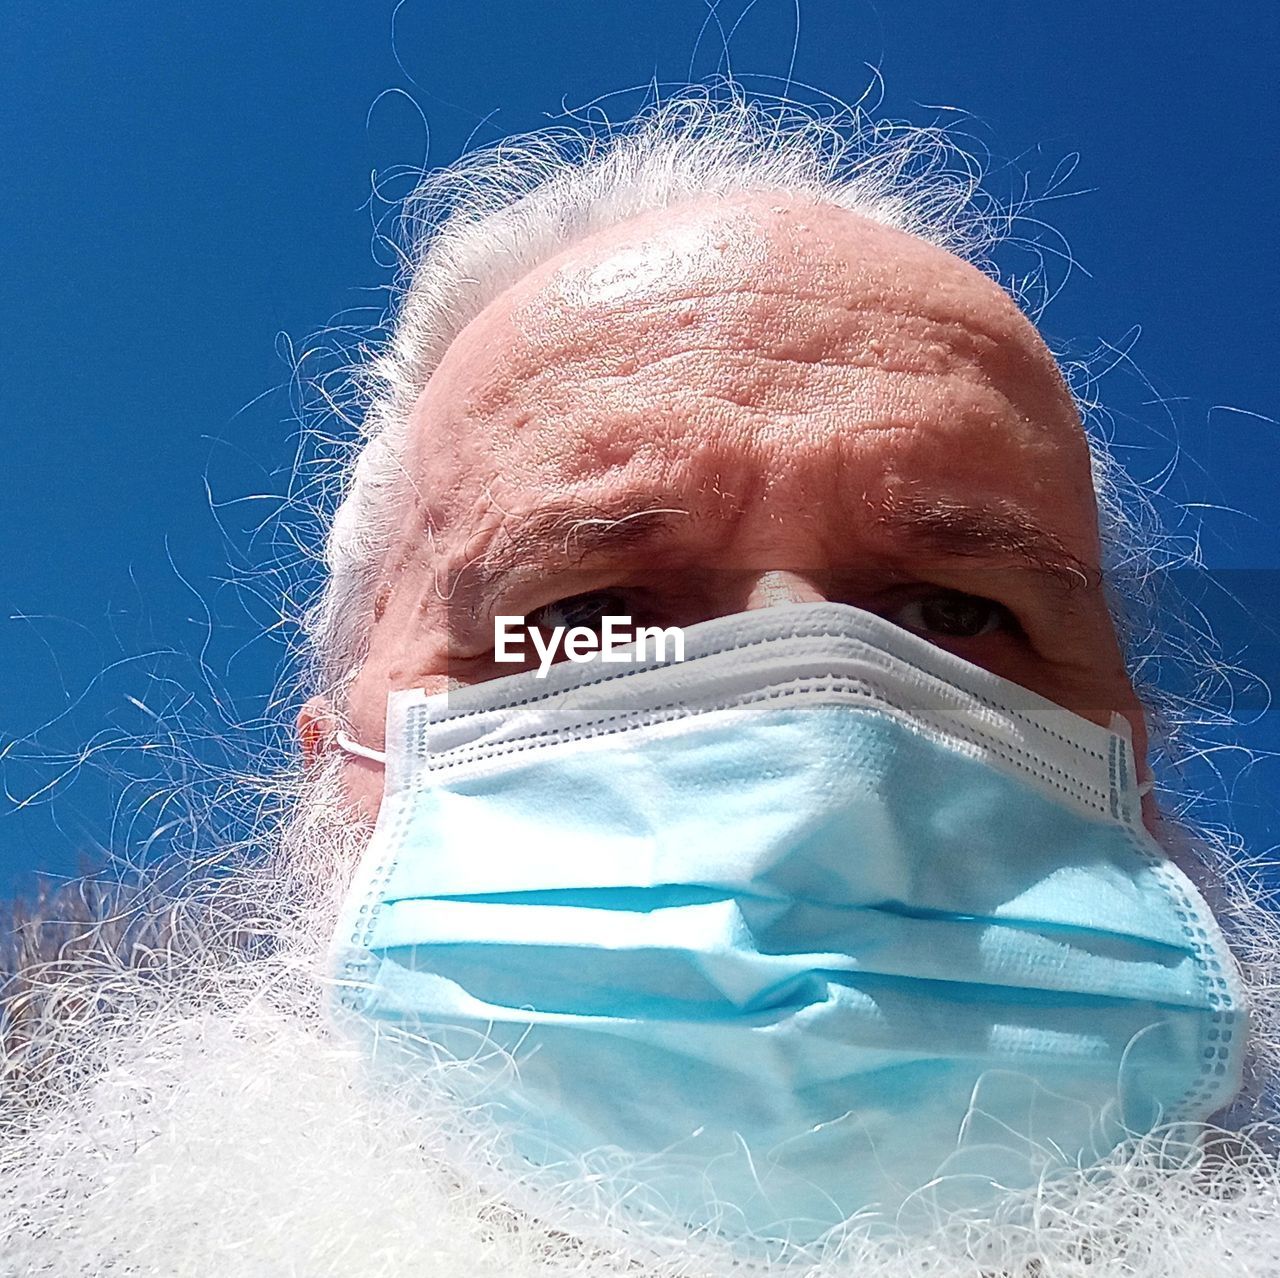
738, 404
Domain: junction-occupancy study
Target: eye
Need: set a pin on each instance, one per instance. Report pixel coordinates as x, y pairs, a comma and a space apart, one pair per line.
579, 610
951, 614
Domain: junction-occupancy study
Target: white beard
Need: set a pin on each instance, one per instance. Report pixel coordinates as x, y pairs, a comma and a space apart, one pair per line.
192, 1114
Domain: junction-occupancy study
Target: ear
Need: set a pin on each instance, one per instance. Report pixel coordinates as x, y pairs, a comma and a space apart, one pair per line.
316, 726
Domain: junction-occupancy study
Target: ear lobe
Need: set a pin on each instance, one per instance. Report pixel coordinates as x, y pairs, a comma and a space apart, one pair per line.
315, 728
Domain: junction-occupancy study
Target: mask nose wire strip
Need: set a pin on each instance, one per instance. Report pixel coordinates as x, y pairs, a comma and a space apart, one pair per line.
354, 747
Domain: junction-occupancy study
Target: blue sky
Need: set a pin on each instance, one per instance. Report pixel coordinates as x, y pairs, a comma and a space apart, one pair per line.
187, 195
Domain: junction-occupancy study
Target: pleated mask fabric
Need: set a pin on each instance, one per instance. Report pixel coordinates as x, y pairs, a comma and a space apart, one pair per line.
822, 922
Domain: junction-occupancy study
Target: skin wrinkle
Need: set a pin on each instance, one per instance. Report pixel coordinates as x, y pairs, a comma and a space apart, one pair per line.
542, 537
928, 361
833, 403
880, 301
963, 337
184, 1100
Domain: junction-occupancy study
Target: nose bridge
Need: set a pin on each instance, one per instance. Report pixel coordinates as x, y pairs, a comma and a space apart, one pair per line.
779, 586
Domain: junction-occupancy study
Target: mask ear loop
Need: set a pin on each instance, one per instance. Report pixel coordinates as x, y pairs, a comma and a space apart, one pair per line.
344, 742
1122, 728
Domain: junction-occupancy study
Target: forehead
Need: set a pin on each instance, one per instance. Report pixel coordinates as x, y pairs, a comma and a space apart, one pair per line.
753, 353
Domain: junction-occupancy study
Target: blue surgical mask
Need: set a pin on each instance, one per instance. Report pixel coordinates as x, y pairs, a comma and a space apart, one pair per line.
821, 921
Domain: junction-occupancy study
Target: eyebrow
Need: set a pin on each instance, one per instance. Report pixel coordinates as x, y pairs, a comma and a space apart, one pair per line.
577, 532
989, 535
952, 530
581, 532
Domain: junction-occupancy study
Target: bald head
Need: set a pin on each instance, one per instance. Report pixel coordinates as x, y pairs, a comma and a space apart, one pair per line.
736, 325
734, 403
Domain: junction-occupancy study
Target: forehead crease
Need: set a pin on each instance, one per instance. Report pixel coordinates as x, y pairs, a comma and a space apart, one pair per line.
746, 316
740, 352
848, 265
775, 297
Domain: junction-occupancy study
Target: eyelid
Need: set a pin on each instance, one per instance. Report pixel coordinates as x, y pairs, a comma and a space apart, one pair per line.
992, 589
603, 592
1001, 615
889, 603
519, 593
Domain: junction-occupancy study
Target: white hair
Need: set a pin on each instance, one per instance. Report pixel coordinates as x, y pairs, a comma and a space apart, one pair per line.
177, 1104
473, 229
175, 1101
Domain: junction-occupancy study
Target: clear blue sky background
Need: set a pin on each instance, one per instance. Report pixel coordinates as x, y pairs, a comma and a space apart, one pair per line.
185, 183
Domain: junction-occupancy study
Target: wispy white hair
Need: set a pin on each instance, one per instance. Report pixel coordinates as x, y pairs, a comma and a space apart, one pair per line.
176, 1104
474, 228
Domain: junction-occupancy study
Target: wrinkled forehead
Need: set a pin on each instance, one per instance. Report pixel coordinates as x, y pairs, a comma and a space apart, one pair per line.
734, 329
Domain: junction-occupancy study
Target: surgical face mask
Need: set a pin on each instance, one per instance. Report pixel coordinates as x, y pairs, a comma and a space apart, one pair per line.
821, 922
